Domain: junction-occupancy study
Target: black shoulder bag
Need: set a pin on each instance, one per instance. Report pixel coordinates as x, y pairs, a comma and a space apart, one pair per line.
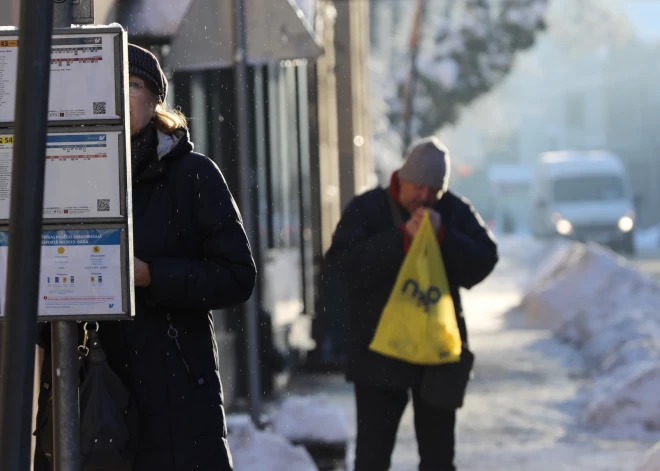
108, 414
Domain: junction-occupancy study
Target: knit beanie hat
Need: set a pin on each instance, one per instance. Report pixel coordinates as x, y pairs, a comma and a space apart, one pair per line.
145, 65
427, 164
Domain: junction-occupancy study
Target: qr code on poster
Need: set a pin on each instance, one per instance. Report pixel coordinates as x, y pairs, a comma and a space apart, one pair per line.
103, 205
99, 107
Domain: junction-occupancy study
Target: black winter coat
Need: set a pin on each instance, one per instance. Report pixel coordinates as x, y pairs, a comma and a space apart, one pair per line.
367, 252
188, 228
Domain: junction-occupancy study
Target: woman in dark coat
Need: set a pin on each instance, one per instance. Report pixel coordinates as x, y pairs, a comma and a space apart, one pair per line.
191, 256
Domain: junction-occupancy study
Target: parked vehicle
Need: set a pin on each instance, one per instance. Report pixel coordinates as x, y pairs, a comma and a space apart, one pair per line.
584, 196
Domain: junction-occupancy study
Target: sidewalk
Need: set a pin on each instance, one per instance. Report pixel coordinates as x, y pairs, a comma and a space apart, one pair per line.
520, 409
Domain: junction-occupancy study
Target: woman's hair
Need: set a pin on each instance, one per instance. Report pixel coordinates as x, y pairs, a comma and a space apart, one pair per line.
167, 121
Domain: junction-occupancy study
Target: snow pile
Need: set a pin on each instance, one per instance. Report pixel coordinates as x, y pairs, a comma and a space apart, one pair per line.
311, 419
594, 300
626, 401
651, 461
557, 258
254, 450
565, 284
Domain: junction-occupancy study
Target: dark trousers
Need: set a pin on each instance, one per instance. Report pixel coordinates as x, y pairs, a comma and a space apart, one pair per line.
379, 412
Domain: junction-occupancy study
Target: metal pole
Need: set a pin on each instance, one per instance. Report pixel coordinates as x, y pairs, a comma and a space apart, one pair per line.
63, 13
24, 260
64, 335
242, 110
66, 420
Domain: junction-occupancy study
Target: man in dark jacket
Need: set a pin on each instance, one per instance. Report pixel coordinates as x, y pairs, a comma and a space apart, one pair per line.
368, 249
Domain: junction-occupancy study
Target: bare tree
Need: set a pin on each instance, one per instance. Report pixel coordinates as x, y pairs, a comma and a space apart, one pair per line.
474, 47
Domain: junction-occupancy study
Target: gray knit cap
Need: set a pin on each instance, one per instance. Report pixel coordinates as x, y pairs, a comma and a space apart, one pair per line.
427, 163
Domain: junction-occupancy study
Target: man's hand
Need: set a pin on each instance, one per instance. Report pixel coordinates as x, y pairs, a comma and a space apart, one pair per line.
142, 273
412, 226
434, 216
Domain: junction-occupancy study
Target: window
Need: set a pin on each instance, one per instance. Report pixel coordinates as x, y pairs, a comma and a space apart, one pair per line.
588, 188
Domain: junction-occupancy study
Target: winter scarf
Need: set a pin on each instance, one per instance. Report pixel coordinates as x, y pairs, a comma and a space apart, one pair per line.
143, 149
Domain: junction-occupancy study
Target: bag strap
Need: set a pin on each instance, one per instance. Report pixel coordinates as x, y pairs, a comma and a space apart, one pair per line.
173, 334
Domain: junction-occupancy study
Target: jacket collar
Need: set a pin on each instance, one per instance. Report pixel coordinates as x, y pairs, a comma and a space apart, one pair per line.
170, 146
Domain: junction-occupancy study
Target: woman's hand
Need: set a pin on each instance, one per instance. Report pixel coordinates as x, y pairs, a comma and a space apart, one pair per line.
142, 273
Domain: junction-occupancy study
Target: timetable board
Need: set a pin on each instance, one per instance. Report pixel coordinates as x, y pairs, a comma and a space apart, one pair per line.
87, 242
84, 82
83, 174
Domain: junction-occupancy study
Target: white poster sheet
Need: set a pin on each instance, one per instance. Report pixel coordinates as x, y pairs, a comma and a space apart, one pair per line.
80, 273
82, 175
82, 77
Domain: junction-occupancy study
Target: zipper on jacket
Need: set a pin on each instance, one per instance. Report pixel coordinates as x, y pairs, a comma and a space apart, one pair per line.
173, 333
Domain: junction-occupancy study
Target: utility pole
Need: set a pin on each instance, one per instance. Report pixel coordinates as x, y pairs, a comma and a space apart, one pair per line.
242, 119
24, 260
409, 105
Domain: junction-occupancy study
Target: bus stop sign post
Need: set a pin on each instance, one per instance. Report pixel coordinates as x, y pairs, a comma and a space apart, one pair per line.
24, 257
64, 335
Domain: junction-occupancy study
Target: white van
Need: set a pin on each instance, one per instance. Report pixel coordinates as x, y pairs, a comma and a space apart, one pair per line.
584, 196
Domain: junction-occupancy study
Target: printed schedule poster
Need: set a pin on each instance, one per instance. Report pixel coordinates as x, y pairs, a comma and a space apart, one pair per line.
80, 272
82, 77
82, 175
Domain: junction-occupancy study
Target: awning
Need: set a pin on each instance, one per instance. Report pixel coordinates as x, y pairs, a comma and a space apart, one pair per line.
150, 21
200, 36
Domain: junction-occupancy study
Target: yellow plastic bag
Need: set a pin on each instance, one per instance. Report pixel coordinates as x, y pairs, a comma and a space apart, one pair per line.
418, 324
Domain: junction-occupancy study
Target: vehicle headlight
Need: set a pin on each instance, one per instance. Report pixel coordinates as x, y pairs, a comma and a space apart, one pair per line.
626, 224
564, 227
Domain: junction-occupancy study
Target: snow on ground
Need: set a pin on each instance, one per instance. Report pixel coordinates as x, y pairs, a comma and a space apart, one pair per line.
607, 310
526, 406
598, 303
651, 461
311, 418
254, 450
522, 411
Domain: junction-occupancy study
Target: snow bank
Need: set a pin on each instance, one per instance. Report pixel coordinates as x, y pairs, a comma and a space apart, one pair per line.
314, 419
651, 461
566, 284
545, 261
626, 401
596, 301
254, 450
